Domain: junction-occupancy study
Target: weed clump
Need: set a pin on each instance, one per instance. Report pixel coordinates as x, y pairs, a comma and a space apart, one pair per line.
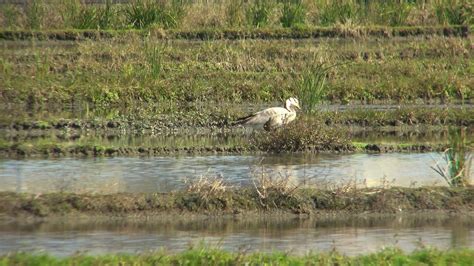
302, 135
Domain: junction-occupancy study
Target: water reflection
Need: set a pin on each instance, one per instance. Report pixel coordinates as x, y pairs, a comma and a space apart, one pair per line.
351, 235
151, 174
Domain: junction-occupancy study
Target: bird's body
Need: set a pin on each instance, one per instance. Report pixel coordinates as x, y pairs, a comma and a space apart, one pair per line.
273, 117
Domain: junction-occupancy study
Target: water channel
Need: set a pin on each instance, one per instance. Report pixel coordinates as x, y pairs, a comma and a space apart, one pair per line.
161, 174
348, 235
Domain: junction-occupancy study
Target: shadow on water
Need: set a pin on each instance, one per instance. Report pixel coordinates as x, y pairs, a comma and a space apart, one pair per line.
349, 235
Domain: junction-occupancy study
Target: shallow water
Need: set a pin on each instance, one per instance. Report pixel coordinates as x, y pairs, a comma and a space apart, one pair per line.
350, 236
151, 174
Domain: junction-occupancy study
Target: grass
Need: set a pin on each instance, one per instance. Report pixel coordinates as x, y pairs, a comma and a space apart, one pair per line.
113, 71
454, 12
458, 160
294, 13
202, 255
145, 13
256, 13
312, 87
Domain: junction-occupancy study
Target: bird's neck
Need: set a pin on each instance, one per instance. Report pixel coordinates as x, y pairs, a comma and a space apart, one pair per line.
290, 109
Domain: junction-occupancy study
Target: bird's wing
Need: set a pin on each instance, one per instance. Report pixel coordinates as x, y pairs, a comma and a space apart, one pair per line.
264, 115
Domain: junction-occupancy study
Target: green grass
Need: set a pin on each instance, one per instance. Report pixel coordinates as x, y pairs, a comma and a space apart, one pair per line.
145, 13
202, 255
216, 14
134, 69
294, 14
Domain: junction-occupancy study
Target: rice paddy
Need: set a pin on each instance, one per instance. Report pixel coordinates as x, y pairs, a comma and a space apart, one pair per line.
147, 84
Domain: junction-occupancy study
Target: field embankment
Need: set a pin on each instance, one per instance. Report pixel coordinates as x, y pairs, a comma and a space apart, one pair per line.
214, 198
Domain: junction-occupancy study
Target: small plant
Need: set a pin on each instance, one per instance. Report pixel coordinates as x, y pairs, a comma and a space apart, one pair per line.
142, 14
455, 12
337, 12
207, 186
258, 13
154, 58
266, 183
458, 160
234, 13
294, 14
395, 14
35, 10
311, 88
9, 16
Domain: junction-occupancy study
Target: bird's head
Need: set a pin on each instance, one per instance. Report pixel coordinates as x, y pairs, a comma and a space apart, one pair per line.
292, 102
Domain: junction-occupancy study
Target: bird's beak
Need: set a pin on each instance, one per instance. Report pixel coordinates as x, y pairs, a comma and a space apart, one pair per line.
298, 106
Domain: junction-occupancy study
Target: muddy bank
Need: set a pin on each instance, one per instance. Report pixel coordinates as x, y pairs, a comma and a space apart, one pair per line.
211, 201
232, 34
21, 150
223, 119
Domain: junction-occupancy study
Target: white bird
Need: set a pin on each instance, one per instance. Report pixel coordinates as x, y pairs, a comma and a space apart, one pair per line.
273, 117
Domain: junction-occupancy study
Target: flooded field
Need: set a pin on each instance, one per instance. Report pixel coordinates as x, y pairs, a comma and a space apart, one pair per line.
105, 134
152, 174
350, 235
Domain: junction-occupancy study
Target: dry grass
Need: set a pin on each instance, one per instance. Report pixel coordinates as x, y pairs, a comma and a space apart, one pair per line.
206, 186
265, 183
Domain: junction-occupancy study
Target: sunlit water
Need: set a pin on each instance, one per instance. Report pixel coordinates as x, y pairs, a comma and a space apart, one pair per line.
151, 174
350, 236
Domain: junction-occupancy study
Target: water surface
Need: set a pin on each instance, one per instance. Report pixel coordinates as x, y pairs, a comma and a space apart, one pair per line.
351, 236
151, 174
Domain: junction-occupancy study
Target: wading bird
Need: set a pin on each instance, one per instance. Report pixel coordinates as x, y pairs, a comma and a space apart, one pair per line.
273, 117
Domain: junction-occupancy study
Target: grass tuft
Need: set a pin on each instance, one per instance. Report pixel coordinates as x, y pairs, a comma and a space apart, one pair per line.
142, 14
453, 12
258, 14
293, 14
458, 160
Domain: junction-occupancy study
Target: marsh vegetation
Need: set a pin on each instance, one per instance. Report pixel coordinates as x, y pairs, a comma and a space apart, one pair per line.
149, 79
